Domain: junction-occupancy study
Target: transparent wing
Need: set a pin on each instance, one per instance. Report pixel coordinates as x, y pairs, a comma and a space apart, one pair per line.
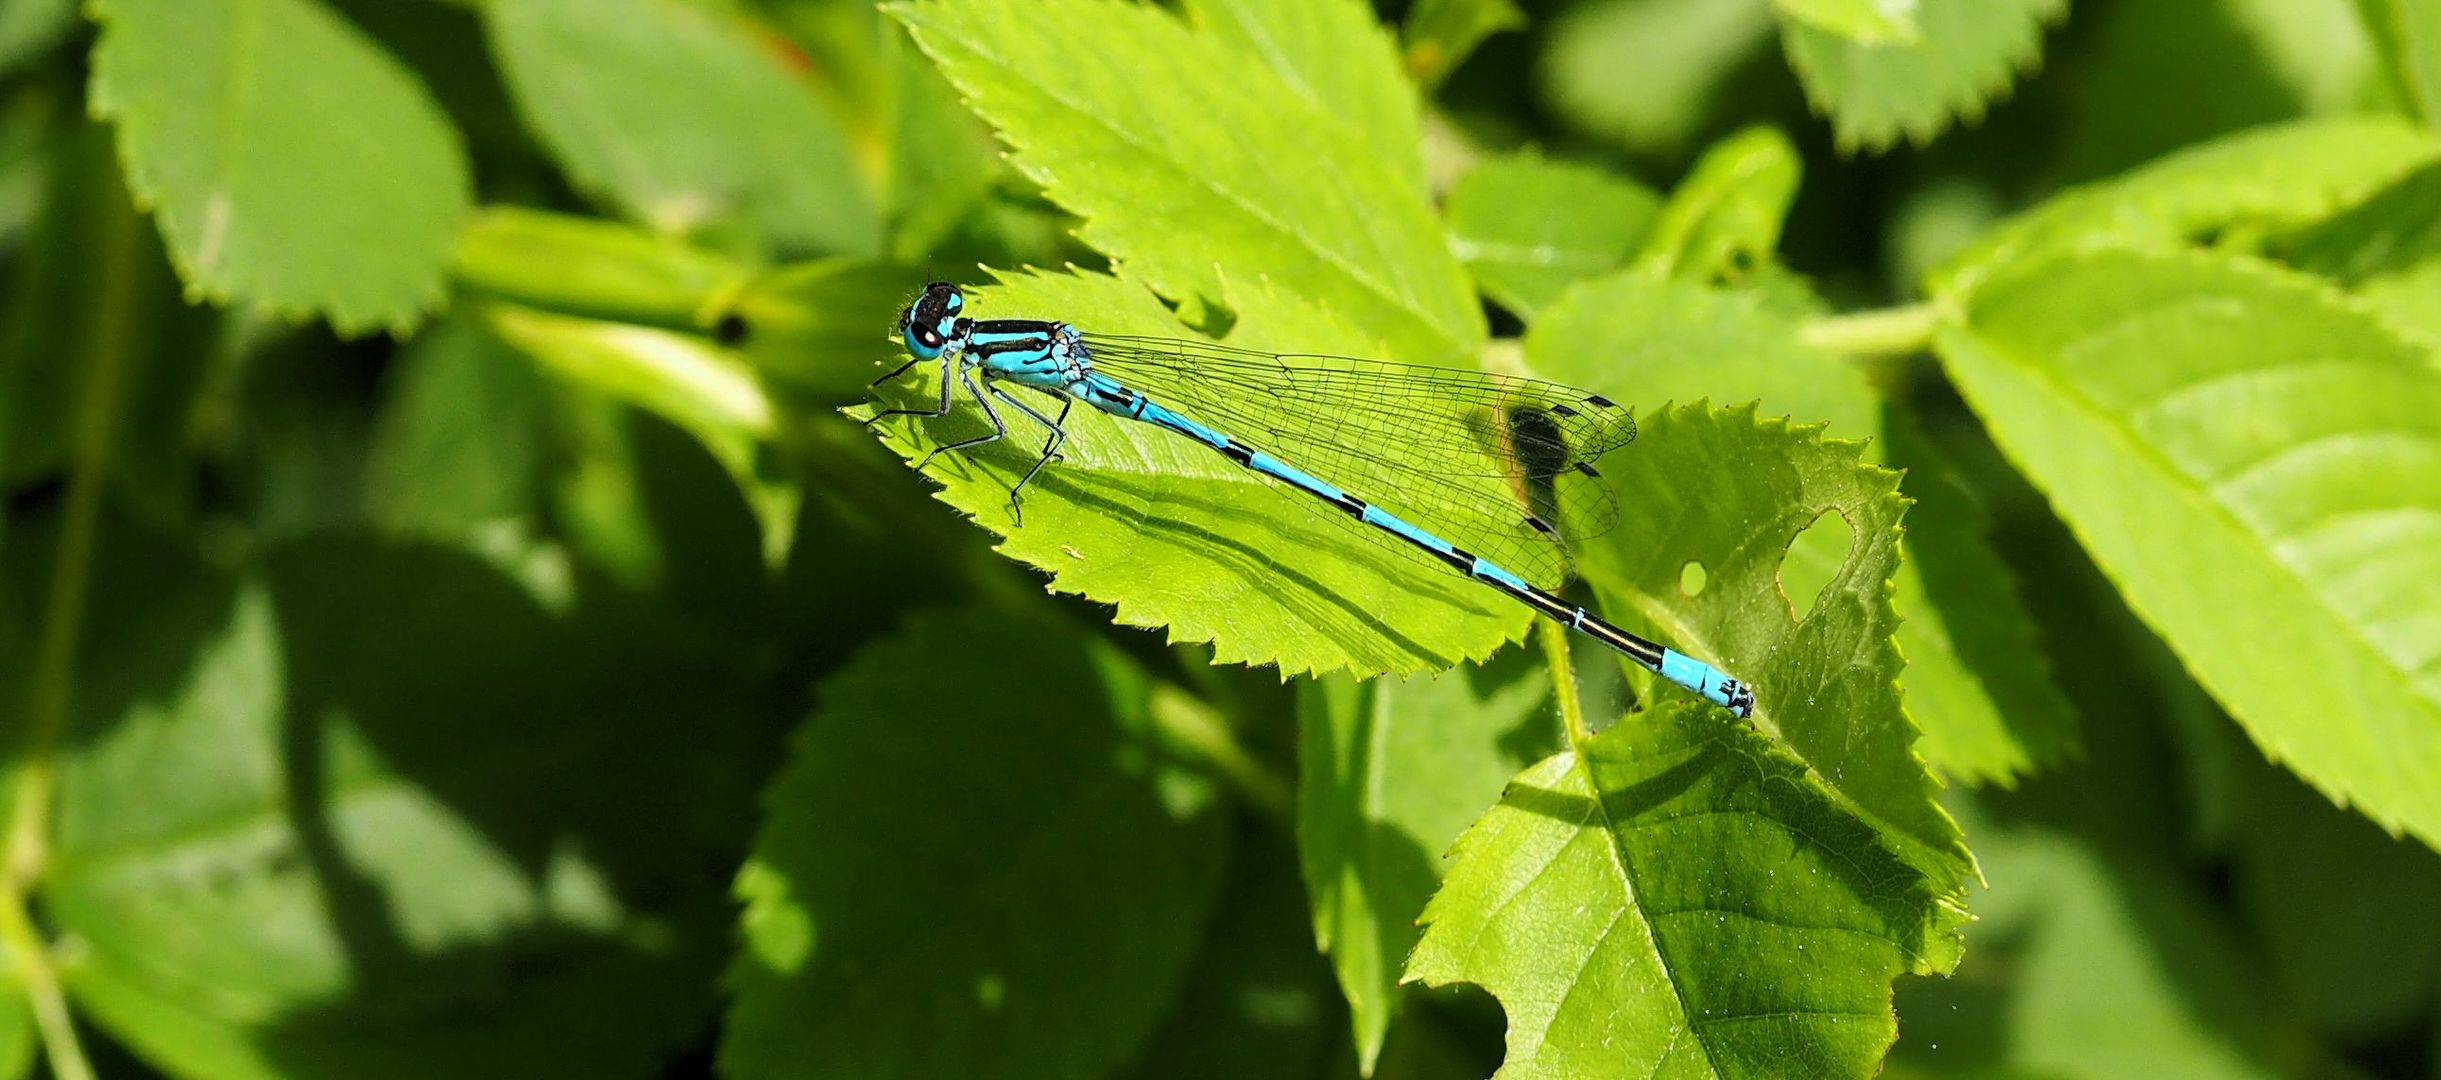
1499, 465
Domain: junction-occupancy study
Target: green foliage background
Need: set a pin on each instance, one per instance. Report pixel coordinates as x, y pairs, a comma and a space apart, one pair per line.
452, 622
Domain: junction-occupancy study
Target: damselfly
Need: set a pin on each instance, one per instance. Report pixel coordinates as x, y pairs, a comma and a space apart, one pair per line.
1492, 474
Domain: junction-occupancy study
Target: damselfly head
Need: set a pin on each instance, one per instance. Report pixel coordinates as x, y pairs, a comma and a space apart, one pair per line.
930, 319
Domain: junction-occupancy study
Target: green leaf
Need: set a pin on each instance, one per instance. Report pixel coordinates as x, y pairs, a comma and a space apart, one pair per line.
1976, 681
1684, 899
1392, 772
2257, 466
2407, 37
586, 266
821, 328
460, 440
292, 841
1440, 34
1040, 909
1258, 1004
1863, 22
1723, 221
1177, 536
2092, 963
1338, 58
679, 117
28, 28
2272, 179
2397, 229
692, 383
1166, 142
2350, 917
1966, 53
1826, 684
292, 164
1527, 227
1686, 56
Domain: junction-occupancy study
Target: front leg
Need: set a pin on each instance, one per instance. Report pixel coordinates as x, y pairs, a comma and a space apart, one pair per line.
999, 427
947, 359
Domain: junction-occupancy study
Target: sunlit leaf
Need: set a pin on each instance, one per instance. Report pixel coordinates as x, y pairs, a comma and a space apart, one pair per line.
1527, 226
2257, 466
1336, 56
1163, 139
1440, 34
291, 163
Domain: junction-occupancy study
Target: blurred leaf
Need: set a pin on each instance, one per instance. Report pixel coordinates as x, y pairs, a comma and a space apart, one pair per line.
2167, 47
29, 28
1682, 54
1976, 682
1966, 54
1393, 771
1527, 226
292, 164
2351, 918
692, 383
2090, 964
1180, 537
823, 328
459, 443
594, 268
2410, 300
683, 120
2407, 39
1826, 685
2256, 465
1258, 1004
1862, 22
1683, 899
1723, 220
1164, 139
1335, 55
2270, 179
1440, 34
293, 841
1038, 903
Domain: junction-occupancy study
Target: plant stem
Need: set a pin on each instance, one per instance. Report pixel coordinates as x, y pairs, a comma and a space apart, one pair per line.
111, 344
1887, 332
1554, 640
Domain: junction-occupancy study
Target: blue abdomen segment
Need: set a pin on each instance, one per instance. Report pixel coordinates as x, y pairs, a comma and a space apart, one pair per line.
1706, 680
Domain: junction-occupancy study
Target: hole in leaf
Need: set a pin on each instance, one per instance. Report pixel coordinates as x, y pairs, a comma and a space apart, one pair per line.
1691, 579
1813, 559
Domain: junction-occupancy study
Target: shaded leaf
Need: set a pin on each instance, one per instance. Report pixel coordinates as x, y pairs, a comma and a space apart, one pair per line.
1685, 55
1527, 226
291, 163
681, 120
1016, 893
1440, 34
1149, 125
28, 28
295, 842
823, 328
2256, 465
1966, 53
1392, 772
2090, 964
